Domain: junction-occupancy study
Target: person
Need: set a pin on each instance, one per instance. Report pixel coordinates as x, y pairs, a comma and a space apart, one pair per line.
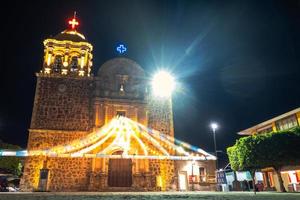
245, 185
259, 186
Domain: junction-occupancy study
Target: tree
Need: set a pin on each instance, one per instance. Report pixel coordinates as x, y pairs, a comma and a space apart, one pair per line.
233, 157
275, 150
11, 164
242, 156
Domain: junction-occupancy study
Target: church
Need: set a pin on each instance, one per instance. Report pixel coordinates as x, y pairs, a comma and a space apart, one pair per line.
104, 131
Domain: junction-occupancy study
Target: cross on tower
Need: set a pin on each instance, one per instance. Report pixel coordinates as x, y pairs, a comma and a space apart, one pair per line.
73, 22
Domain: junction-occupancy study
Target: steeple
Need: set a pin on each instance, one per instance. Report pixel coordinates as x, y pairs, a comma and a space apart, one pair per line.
68, 53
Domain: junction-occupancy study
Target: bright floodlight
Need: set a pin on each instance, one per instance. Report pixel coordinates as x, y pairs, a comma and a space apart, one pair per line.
163, 84
214, 126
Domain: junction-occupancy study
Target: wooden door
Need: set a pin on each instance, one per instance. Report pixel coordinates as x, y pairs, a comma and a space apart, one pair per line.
120, 173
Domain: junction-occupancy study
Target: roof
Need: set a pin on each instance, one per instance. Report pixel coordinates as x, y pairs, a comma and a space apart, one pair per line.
70, 35
265, 124
120, 65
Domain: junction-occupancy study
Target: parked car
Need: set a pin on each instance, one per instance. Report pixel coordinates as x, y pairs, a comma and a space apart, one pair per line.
3, 184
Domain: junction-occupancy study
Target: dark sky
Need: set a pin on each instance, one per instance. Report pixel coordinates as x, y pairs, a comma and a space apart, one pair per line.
238, 62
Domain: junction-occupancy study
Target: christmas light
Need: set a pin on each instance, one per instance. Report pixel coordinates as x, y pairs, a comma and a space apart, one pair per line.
121, 131
47, 70
81, 73
65, 64
82, 62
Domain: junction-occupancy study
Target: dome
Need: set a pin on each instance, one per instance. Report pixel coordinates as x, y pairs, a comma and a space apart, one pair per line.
120, 66
121, 78
70, 35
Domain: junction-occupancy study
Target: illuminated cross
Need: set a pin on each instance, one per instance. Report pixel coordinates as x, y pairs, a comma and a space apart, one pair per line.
121, 48
73, 22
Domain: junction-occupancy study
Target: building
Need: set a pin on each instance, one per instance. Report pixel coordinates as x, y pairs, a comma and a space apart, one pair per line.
104, 132
290, 174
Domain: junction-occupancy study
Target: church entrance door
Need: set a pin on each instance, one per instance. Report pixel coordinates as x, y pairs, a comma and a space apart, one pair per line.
120, 172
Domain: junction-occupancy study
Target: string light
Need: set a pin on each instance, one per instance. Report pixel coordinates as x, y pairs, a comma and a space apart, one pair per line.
122, 130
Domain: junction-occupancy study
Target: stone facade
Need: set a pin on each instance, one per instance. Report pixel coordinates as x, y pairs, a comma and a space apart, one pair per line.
70, 105
76, 168
62, 103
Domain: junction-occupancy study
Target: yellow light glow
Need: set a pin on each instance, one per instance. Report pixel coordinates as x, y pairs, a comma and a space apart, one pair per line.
64, 71
65, 64
82, 62
74, 33
64, 42
163, 84
47, 70
49, 59
159, 181
81, 73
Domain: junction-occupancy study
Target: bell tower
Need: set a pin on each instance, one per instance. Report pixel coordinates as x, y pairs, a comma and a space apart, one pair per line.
68, 54
61, 110
62, 98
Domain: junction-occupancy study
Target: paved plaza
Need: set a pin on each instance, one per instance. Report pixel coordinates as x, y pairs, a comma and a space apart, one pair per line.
149, 195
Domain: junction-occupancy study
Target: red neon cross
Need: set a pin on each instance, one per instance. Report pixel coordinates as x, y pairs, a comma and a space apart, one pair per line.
73, 23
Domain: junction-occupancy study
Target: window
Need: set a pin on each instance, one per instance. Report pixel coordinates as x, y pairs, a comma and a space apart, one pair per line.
121, 86
202, 174
74, 64
121, 83
121, 113
287, 123
57, 64
265, 130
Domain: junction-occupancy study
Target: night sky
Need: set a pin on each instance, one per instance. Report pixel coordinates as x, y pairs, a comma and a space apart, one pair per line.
237, 62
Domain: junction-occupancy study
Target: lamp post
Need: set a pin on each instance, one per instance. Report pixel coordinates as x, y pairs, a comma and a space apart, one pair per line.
214, 127
193, 187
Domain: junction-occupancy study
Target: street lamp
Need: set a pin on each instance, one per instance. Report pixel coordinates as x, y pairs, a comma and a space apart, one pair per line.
193, 178
163, 84
214, 126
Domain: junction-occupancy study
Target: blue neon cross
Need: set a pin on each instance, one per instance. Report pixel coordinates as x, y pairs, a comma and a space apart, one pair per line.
121, 48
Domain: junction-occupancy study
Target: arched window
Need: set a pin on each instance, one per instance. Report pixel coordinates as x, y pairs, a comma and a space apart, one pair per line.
57, 65
74, 64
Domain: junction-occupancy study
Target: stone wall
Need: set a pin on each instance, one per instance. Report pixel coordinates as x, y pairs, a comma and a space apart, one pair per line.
160, 115
97, 181
65, 173
142, 181
160, 118
163, 174
42, 139
62, 103
31, 173
69, 174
